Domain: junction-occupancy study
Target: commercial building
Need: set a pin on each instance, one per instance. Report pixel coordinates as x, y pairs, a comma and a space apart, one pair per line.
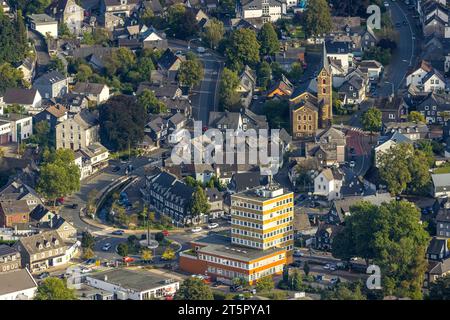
261, 240
17, 285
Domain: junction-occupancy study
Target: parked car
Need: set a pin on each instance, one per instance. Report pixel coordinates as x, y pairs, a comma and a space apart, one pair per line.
236, 288
327, 266
165, 233
118, 232
74, 205
127, 259
106, 247
196, 229
115, 169
352, 164
43, 275
201, 50
90, 261
296, 264
298, 253
213, 225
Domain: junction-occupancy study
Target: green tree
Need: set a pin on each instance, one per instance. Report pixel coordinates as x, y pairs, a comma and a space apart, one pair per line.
146, 255
148, 101
228, 96
59, 176
415, 116
168, 254
214, 32
42, 135
159, 236
91, 202
242, 49
57, 64
264, 73
265, 284
296, 71
54, 289
146, 66
199, 203
277, 113
296, 281
123, 249
9, 77
306, 268
88, 253
122, 122
317, 18
182, 22
345, 291
87, 240
194, 289
440, 289
394, 240
84, 73
268, 40
371, 120
404, 168
190, 73
13, 42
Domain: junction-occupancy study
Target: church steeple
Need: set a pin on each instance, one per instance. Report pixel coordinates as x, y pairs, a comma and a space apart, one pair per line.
325, 90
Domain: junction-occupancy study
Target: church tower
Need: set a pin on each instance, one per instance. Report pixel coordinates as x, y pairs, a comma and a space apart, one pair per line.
325, 91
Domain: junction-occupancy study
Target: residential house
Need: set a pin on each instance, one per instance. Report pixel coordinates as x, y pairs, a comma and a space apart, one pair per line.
443, 221
163, 90
74, 103
340, 53
114, 12
13, 213
215, 201
44, 24
372, 69
16, 190
283, 88
78, 131
437, 249
328, 183
44, 250
242, 181
15, 128
393, 109
17, 285
27, 66
436, 270
69, 13
154, 39
325, 235
328, 148
91, 159
426, 78
169, 63
9, 259
30, 99
267, 10
368, 38
171, 197
353, 90
435, 108
52, 84
247, 84
95, 92
225, 120
411, 130
441, 184
134, 284
53, 115
157, 129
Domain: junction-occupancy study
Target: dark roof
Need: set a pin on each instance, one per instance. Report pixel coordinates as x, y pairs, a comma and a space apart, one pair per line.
14, 207
336, 47
436, 246
50, 78
167, 59
6, 250
246, 180
38, 213
88, 88
31, 243
19, 96
213, 194
226, 118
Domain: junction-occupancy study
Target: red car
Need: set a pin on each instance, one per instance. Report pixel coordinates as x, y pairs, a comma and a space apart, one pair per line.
165, 233
127, 259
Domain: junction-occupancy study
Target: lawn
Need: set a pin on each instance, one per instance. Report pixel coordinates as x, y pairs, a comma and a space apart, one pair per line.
297, 32
338, 119
443, 169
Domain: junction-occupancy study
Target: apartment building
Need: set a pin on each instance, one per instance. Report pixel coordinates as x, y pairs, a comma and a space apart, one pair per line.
77, 132
261, 239
262, 218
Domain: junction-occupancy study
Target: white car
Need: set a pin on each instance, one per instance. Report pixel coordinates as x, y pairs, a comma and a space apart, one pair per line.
354, 259
106, 247
201, 50
213, 225
386, 4
196, 229
327, 266
85, 270
352, 164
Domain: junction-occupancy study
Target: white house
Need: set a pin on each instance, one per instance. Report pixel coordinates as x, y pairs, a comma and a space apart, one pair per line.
426, 78
96, 92
91, 159
30, 99
44, 24
340, 54
133, 284
441, 185
15, 127
17, 285
268, 10
328, 183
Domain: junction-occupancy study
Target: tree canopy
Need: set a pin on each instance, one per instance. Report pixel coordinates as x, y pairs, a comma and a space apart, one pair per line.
440, 289
268, 39
317, 18
404, 168
199, 202
214, 32
390, 236
194, 289
242, 49
122, 122
371, 120
416, 116
190, 73
54, 289
59, 176
228, 96
148, 101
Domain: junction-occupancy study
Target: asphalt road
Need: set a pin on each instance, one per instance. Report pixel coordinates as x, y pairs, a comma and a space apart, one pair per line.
43, 58
405, 57
205, 96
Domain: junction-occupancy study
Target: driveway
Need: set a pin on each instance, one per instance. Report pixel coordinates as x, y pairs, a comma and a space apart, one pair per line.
43, 58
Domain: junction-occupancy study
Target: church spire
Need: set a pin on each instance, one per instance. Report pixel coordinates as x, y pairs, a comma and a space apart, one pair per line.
325, 64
